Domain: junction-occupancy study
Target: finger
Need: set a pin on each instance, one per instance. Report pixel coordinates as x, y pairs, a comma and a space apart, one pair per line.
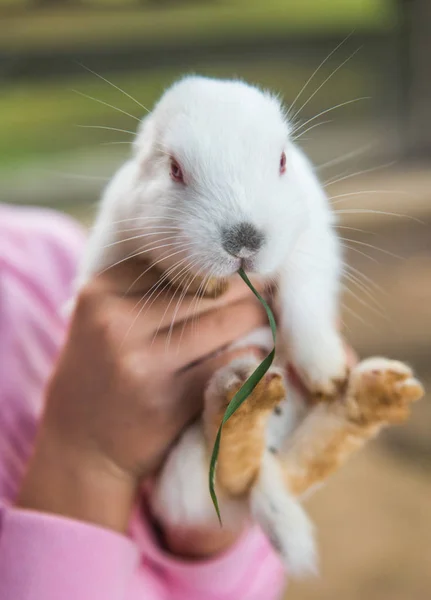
126, 276
193, 381
213, 331
198, 542
137, 277
143, 288
351, 356
162, 307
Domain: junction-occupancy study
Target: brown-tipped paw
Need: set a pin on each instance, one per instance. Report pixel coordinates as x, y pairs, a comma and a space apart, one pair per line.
381, 391
321, 366
244, 434
265, 396
335, 388
226, 383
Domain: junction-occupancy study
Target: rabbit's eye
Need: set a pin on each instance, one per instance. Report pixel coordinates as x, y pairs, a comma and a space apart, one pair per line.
282, 163
176, 171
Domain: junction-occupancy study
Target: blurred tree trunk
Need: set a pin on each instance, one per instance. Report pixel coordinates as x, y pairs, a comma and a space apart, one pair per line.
417, 77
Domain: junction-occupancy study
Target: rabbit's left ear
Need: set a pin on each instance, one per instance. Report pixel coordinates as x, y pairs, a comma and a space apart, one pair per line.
283, 519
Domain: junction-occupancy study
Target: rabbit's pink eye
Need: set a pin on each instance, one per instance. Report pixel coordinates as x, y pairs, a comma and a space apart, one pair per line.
176, 171
283, 163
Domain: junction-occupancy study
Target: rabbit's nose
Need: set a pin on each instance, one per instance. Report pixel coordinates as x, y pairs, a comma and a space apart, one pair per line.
242, 240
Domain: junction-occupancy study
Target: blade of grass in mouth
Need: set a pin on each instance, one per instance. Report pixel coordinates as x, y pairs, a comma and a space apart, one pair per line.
243, 393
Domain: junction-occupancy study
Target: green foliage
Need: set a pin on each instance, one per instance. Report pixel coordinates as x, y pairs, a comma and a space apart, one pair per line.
41, 119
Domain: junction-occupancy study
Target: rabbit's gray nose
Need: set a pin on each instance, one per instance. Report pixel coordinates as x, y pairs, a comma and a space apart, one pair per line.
242, 240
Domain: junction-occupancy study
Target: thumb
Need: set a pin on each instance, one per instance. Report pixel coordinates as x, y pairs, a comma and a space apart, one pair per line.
195, 380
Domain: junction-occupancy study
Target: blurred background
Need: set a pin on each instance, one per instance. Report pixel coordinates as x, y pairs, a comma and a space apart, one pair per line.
367, 125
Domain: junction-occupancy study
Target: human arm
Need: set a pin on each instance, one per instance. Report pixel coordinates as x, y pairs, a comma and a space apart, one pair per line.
44, 554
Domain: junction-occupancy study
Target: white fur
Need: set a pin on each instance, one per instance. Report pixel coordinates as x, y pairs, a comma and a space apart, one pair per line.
228, 138
283, 519
289, 414
181, 496
378, 363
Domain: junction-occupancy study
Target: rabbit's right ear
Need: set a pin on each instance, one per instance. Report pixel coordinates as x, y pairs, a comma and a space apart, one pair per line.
140, 135
283, 519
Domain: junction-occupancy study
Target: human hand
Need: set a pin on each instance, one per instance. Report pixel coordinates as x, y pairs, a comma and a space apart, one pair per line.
120, 393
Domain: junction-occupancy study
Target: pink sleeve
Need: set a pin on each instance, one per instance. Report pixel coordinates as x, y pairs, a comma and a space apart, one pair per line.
39, 252
250, 570
44, 557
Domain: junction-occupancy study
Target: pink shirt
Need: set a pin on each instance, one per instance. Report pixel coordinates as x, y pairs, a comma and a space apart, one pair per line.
46, 557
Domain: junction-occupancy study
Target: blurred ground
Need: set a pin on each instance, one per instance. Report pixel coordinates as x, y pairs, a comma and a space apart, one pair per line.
374, 528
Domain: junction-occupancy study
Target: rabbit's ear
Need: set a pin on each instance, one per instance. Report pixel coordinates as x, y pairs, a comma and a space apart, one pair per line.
283, 519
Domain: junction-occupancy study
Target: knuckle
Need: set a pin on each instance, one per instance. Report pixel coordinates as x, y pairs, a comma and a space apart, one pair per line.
106, 327
134, 366
94, 309
108, 323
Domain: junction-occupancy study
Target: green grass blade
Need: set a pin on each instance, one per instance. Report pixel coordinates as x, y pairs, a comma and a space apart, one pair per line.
243, 393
